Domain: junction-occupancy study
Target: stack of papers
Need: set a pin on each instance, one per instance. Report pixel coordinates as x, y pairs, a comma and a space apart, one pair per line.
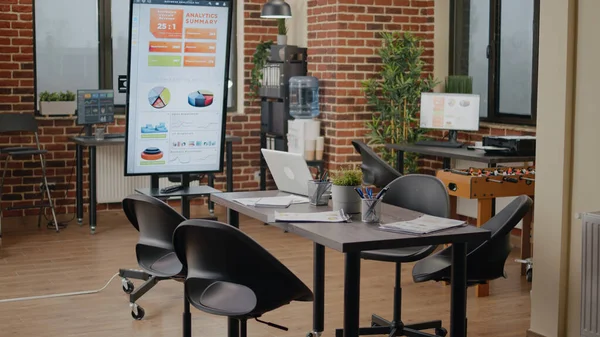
275, 202
422, 225
333, 216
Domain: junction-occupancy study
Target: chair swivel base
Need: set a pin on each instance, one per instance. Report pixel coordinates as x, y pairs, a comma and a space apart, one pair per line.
137, 312
381, 326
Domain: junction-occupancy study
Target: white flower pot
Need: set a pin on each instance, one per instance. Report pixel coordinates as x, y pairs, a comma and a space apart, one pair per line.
282, 40
346, 198
58, 108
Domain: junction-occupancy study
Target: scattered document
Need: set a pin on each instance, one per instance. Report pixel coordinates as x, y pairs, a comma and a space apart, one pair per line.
332, 216
275, 202
424, 224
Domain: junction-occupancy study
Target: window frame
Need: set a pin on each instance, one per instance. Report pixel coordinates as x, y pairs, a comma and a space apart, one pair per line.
456, 38
105, 55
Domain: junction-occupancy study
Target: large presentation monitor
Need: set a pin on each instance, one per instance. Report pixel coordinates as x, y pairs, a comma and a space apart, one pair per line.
177, 86
452, 112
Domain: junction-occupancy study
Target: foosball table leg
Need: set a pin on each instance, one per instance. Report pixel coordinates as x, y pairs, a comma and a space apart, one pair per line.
526, 239
484, 213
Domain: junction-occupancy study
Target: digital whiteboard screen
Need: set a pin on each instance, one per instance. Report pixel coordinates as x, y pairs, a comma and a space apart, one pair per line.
458, 112
177, 86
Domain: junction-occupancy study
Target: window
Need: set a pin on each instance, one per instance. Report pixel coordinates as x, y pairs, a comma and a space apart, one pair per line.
89, 50
496, 42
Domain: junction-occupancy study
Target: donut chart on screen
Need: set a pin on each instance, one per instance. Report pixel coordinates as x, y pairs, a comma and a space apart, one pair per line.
200, 98
152, 153
159, 97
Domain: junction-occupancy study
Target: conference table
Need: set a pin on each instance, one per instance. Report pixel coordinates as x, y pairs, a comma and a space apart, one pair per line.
351, 239
92, 143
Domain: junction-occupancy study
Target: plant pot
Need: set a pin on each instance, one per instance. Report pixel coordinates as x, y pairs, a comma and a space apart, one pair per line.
282, 40
346, 198
58, 108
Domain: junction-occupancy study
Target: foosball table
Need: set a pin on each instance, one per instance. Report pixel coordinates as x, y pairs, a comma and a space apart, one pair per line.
486, 184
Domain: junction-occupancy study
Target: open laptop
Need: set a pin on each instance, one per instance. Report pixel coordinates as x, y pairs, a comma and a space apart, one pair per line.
289, 170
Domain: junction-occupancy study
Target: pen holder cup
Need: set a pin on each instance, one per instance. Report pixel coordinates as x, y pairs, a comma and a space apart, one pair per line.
370, 210
319, 192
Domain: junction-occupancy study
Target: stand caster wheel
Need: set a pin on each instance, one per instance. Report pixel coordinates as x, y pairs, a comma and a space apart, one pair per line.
137, 312
313, 334
442, 332
127, 286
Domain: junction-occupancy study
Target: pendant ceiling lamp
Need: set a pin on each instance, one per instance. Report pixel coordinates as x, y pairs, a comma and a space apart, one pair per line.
276, 9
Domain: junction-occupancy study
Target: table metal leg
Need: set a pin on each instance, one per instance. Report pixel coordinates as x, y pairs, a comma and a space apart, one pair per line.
92, 176
233, 325
318, 289
229, 173
458, 306
352, 294
79, 183
211, 183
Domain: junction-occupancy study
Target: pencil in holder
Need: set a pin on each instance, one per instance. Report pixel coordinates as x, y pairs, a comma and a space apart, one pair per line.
319, 192
370, 210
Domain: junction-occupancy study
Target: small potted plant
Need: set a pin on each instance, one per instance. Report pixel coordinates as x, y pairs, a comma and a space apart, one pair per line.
281, 32
343, 195
57, 103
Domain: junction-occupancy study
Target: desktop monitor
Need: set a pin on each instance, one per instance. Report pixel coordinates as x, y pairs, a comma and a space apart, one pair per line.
95, 107
452, 112
177, 86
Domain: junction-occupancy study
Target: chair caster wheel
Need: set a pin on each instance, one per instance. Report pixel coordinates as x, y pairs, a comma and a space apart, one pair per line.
137, 312
442, 332
313, 334
127, 286
529, 275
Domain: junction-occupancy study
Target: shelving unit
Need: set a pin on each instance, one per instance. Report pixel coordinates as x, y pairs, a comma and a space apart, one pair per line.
284, 62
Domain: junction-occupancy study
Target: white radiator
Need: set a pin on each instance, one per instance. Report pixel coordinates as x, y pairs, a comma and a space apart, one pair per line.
111, 184
590, 275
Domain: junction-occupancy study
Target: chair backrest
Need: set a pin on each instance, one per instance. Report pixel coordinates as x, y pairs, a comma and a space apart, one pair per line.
419, 192
375, 170
214, 251
155, 220
16, 122
486, 261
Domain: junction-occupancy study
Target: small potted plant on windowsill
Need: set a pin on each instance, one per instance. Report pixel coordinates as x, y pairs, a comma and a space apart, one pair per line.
57, 103
281, 32
343, 195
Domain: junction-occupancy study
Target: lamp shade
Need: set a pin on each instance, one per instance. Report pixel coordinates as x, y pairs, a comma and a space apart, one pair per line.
276, 9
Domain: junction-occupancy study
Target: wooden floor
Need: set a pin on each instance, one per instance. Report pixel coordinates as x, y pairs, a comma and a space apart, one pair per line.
39, 261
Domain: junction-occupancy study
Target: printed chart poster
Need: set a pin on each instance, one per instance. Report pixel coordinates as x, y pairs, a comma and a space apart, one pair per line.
450, 111
177, 86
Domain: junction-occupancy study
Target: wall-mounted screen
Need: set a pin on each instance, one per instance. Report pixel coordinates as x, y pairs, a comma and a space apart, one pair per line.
177, 86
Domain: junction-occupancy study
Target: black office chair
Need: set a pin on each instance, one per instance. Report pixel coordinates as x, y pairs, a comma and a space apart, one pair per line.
156, 221
229, 274
375, 170
486, 260
421, 193
14, 123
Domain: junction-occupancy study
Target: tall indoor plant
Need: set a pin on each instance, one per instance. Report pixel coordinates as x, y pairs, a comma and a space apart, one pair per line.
394, 95
259, 60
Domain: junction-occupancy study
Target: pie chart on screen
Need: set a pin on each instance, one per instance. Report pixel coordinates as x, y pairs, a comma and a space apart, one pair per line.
159, 97
200, 98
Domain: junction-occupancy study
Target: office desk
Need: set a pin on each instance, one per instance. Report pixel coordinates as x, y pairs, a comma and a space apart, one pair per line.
353, 238
454, 153
92, 143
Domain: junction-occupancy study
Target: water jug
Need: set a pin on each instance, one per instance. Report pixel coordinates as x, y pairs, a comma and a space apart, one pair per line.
304, 97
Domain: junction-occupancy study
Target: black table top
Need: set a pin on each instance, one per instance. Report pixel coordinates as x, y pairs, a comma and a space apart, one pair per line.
192, 191
349, 237
91, 141
460, 153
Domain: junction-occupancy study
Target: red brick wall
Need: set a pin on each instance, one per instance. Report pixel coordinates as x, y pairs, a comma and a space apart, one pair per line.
17, 95
343, 36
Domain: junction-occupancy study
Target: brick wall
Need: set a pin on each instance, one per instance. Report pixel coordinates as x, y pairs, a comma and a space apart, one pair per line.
17, 95
343, 37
